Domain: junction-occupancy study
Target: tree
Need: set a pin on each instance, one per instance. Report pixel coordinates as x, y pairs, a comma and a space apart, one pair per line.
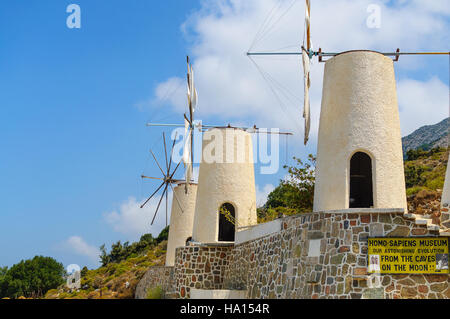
32, 277
302, 177
294, 195
3, 271
297, 190
84, 272
164, 235
104, 257
282, 196
116, 252
148, 238
120, 252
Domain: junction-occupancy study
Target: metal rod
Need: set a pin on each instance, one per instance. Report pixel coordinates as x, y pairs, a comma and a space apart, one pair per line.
143, 176
333, 54
165, 153
222, 126
159, 204
167, 203
176, 197
274, 53
171, 153
395, 53
148, 199
162, 124
158, 163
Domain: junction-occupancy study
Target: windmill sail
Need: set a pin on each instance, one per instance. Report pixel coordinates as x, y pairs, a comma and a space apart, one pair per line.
187, 142
306, 69
187, 152
308, 23
189, 125
193, 96
167, 179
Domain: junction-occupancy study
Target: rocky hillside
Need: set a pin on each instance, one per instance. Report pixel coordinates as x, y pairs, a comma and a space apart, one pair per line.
428, 137
118, 277
425, 175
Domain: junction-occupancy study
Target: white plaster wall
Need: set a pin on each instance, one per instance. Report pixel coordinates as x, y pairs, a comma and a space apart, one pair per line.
359, 113
446, 191
181, 222
258, 231
224, 180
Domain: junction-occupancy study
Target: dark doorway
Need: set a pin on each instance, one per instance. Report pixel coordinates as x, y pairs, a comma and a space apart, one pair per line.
226, 227
361, 190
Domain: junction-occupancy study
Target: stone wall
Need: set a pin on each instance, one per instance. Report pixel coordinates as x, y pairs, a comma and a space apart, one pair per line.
317, 255
200, 267
445, 217
283, 265
156, 277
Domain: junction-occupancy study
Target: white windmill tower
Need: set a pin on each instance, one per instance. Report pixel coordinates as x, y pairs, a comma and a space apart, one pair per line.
226, 197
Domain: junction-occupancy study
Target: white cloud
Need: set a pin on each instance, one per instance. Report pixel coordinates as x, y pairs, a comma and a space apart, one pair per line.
231, 88
80, 247
422, 103
262, 193
132, 221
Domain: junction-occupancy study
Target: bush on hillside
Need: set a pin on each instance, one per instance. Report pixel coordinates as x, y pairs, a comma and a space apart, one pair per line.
120, 252
31, 278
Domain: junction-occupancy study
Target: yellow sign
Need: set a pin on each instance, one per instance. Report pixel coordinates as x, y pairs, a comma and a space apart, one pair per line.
420, 255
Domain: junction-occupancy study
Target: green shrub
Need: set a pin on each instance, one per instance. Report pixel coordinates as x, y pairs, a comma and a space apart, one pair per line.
120, 252
155, 293
413, 190
437, 183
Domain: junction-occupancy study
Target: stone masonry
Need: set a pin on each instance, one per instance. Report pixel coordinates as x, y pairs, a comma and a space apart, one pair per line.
278, 266
445, 217
316, 255
158, 276
200, 267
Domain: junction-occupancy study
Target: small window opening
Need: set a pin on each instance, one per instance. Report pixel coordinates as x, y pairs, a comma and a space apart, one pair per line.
361, 190
226, 222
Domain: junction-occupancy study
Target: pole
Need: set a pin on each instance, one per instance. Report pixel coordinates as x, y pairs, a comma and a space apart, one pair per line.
219, 126
334, 54
308, 25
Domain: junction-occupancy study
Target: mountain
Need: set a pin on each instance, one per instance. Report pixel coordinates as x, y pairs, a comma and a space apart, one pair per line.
428, 137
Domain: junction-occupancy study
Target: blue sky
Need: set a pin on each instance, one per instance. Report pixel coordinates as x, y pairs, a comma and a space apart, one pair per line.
74, 102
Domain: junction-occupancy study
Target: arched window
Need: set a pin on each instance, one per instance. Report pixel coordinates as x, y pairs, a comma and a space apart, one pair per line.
226, 222
361, 190
188, 241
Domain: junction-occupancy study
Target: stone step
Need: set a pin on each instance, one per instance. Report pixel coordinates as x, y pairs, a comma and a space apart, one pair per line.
433, 227
420, 220
410, 216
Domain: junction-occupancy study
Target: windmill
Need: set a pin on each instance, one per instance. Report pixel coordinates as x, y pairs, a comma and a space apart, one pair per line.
167, 179
308, 53
188, 152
